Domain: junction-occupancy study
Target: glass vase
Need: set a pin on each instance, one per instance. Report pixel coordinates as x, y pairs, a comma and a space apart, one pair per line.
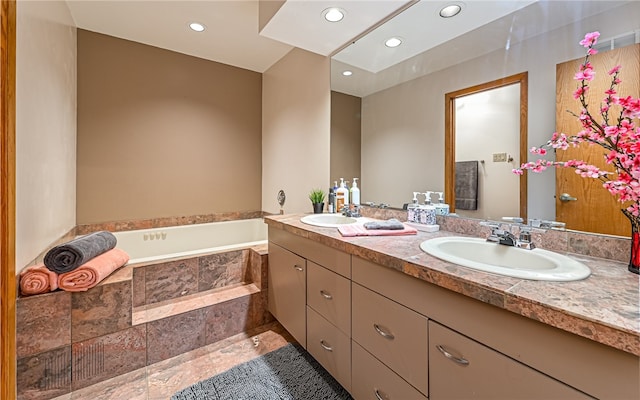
634, 261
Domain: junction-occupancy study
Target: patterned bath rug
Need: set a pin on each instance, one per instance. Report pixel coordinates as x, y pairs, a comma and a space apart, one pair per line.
289, 373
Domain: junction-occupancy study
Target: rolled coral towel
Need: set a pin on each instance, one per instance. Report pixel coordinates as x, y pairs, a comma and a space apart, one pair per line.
93, 272
390, 224
37, 279
69, 256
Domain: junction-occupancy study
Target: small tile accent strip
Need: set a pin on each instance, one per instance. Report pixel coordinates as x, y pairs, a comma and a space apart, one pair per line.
130, 225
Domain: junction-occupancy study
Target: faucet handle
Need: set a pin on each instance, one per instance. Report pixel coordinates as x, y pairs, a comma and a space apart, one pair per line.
515, 220
541, 223
524, 239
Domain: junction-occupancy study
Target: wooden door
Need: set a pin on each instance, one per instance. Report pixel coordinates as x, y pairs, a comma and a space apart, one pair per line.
595, 209
7, 200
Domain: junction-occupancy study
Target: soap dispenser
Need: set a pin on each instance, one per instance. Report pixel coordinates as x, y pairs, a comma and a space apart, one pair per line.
441, 207
342, 196
427, 211
412, 209
355, 193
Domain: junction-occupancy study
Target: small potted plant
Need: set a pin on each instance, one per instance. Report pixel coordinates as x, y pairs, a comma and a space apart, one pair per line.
317, 199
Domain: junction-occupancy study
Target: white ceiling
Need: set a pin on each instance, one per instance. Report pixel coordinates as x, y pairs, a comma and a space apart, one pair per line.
232, 35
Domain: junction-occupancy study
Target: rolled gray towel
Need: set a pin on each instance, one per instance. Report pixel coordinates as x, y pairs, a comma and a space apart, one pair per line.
69, 256
390, 224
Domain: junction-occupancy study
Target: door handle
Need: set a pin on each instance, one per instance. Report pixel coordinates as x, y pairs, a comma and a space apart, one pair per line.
567, 197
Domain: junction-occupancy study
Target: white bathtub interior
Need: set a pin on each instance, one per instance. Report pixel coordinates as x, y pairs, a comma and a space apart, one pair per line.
146, 245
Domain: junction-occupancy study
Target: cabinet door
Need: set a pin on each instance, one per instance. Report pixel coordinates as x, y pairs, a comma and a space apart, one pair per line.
287, 291
330, 347
330, 295
394, 334
372, 380
460, 368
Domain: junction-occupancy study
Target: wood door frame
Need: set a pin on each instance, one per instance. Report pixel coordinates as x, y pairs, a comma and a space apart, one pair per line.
7, 200
450, 134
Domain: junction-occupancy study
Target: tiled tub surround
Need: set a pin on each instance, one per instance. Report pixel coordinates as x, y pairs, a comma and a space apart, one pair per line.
604, 308
140, 315
130, 225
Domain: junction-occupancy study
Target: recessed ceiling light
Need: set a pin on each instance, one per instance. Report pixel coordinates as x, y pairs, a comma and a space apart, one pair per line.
196, 26
347, 73
393, 42
333, 14
450, 11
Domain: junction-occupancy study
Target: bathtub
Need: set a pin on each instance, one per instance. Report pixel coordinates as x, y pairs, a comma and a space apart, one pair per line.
146, 245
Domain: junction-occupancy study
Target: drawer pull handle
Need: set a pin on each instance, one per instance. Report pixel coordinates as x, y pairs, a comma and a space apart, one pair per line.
459, 360
386, 335
380, 395
326, 295
325, 346
298, 268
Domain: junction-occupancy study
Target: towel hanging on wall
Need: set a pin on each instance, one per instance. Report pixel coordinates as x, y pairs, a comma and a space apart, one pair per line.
467, 185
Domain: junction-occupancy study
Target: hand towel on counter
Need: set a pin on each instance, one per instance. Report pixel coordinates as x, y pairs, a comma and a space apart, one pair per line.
69, 256
390, 224
93, 272
360, 230
37, 279
466, 185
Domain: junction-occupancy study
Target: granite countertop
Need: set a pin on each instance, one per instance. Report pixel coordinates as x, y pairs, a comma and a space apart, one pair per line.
605, 307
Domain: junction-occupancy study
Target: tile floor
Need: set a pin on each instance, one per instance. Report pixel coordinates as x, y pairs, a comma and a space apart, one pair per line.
161, 380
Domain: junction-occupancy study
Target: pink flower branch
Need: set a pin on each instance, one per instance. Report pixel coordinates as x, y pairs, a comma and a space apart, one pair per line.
620, 140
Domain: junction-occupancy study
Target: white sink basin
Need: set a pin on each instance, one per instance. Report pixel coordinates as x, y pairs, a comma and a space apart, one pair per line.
328, 220
477, 253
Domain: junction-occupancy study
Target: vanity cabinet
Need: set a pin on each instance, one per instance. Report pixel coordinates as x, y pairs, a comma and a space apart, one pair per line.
386, 335
318, 309
461, 368
288, 290
371, 379
581, 366
394, 334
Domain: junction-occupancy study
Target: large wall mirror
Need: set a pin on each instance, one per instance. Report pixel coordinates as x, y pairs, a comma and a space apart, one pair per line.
401, 89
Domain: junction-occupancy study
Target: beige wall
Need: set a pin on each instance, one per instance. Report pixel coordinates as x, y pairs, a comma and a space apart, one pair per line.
45, 126
404, 125
295, 130
163, 134
345, 138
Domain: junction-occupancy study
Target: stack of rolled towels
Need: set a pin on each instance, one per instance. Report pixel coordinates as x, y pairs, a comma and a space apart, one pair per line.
75, 266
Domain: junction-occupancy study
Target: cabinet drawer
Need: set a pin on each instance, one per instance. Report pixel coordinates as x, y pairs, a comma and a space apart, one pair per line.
330, 295
372, 380
461, 368
330, 258
287, 291
394, 334
330, 347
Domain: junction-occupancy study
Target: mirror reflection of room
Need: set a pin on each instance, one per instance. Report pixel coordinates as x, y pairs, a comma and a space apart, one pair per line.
487, 139
403, 113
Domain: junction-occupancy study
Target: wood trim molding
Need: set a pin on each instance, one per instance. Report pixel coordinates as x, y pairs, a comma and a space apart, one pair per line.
450, 134
7, 200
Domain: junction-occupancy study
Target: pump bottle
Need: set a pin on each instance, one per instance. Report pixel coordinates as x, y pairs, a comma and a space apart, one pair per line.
342, 196
355, 193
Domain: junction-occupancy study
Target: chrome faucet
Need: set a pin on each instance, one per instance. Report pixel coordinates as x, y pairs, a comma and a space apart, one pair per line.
351, 211
507, 238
